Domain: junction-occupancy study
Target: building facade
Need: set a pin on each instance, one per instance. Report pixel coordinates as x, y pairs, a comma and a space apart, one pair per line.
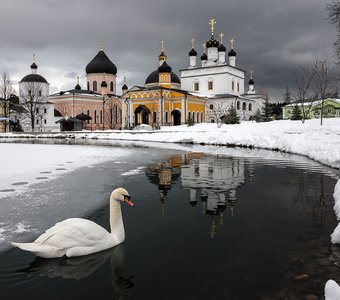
219, 80
99, 101
161, 101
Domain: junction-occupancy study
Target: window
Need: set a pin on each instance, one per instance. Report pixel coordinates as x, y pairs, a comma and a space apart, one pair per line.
329, 111
244, 105
30, 93
95, 117
37, 110
166, 117
238, 86
196, 86
193, 116
37, 121
232, 85
211, 106
212, 121
154, 117
45, 121
101, 117
198, 117
111, 86
45, 110
111, 116
39, 93
249, 107
88, 112
238, 105
210, 85
94, 86
88, 86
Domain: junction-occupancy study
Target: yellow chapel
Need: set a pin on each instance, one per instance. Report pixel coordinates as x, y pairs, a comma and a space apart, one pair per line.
161, 102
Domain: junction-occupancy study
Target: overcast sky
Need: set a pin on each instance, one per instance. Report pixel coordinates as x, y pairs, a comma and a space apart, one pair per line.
272, 37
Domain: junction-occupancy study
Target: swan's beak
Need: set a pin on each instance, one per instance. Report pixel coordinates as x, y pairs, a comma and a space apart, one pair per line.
128, 201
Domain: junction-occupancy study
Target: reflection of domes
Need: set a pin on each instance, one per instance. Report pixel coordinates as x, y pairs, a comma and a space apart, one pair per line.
154, 78
192, 52
232, 53
164, 68
101, 64
34, 78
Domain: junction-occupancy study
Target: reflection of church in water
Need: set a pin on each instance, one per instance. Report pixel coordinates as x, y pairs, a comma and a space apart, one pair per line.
211, 180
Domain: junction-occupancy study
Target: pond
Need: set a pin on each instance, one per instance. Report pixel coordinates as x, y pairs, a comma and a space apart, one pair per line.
205, 226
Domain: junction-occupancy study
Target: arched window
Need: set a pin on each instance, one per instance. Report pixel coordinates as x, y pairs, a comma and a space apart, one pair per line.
198, 117
111, 116
95, 117
212, 121
166, 117
193, 116
211, 106
238, 105
111, 86
101, 116
45, 110
238, 86
232, 85
249, 107
201, 117
244, 106
94, 86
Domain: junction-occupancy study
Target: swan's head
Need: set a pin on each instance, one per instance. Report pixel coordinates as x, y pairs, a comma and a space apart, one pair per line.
121, 194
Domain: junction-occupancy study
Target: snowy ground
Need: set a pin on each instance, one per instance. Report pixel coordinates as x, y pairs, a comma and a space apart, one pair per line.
320, 143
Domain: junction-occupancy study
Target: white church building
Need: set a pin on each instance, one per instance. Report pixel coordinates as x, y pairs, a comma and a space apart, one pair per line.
220, 81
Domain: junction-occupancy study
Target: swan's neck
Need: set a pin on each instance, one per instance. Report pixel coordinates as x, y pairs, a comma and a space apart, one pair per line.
116, 220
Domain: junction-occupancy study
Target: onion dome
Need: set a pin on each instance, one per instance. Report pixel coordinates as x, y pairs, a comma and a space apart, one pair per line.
77, 87
221, 48
164, 68
103, 84
124, 87
251, 81
34, 78
154, 78
34, 66
231, 53
204, 57
101, 64
192, 52
212, 43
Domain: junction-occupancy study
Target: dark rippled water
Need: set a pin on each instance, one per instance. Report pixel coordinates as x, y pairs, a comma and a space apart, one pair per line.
204, 227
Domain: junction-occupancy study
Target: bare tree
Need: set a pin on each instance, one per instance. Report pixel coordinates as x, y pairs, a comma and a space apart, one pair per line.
6, 92
303, 80
33, 103
324, 79
287, 95
217, 111
333, 10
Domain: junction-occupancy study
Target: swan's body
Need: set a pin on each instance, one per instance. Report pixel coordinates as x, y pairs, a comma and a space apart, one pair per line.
77, 237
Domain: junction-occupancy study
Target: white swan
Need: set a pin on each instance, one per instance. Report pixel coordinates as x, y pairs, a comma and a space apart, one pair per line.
77, 237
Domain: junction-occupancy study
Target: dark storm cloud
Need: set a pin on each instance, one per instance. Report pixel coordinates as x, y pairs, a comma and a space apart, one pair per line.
273, 37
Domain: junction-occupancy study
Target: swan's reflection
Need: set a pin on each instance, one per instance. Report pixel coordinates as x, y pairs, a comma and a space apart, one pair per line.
82, 266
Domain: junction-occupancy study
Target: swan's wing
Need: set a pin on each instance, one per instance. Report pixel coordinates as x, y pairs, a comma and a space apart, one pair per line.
72, 233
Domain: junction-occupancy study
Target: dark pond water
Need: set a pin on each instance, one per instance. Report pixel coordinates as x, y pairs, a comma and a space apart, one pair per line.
204, 227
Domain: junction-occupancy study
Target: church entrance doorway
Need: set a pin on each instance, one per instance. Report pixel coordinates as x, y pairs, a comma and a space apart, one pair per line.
142, 115
176, 114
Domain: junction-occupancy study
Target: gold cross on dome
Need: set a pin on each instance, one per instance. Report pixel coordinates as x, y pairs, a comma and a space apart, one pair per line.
212, 25
232, 43
221, 36
193, 43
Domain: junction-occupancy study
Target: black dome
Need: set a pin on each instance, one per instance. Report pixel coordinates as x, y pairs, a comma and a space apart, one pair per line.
34, 66
101, 64
232, 53
192, 52
221, 48
154, 78
212, 43
103, 84
204, 57
34, 78
164, 68
77, 87
124, 87
251, 81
